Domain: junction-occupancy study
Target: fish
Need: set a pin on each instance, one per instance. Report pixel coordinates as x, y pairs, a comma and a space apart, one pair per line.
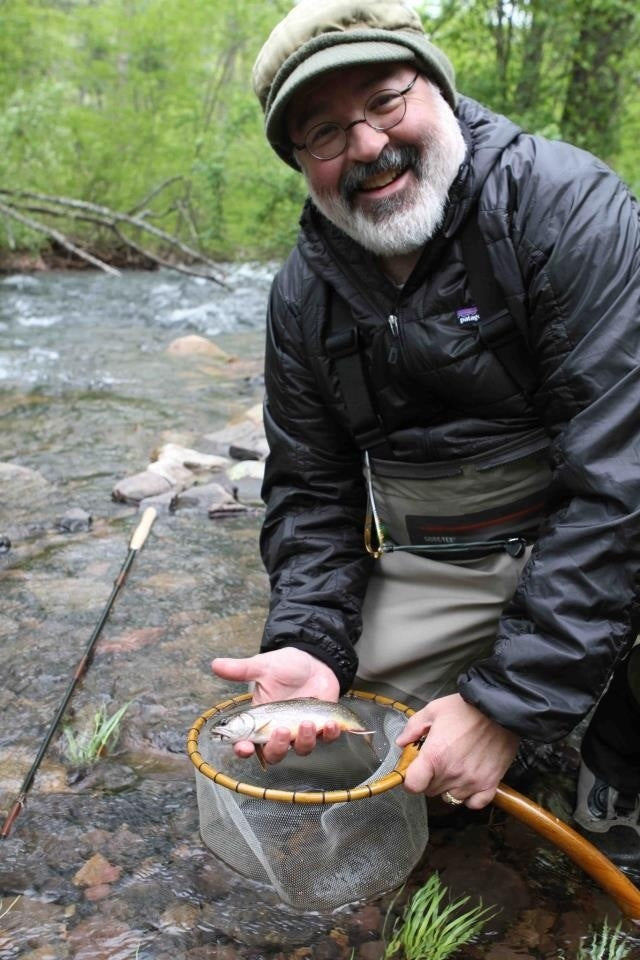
258, 723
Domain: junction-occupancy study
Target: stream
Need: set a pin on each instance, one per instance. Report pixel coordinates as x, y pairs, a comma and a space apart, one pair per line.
106, 862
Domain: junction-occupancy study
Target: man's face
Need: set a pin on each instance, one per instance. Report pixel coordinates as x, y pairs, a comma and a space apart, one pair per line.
388, 189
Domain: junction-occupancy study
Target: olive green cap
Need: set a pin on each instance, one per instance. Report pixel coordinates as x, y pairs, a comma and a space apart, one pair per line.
317, 36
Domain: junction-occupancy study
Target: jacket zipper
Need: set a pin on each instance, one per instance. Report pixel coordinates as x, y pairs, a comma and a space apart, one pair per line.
394, 327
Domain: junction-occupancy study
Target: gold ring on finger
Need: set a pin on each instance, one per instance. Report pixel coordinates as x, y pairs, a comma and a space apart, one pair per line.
449, 798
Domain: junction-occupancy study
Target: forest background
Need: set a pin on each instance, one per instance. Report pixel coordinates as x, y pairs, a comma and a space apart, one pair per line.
146, 107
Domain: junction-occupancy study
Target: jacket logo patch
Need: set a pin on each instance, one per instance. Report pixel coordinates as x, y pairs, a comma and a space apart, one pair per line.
467, 315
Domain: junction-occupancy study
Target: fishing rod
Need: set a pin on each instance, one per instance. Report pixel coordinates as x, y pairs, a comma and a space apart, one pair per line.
137, 541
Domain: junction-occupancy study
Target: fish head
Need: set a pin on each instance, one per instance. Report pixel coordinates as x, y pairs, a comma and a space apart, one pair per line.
237, 726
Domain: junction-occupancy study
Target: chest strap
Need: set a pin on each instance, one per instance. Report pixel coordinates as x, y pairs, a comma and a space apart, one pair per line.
497, 328
345, 350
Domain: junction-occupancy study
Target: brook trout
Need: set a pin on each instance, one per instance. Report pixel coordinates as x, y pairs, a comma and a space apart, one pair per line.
258, 723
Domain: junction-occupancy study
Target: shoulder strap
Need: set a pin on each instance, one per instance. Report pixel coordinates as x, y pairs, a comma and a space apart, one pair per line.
343, 346
497, 328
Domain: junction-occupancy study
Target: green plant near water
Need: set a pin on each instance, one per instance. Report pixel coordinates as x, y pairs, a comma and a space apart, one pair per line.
607, 944
432, 927
89, 746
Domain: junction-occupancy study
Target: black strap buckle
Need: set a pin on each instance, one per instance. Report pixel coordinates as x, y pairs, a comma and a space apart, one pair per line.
343, 344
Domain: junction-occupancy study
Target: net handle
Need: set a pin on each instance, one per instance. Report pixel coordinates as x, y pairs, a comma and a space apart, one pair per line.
392, 779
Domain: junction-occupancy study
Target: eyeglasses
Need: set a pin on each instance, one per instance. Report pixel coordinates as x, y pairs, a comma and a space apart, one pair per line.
382, 111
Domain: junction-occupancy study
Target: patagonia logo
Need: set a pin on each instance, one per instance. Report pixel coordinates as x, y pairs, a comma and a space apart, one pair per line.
467, 315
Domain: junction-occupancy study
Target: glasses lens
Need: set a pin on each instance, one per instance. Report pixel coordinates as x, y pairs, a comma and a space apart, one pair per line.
385, 109
325, 141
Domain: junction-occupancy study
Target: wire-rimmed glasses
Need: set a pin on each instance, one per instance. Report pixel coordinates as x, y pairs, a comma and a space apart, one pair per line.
383, 110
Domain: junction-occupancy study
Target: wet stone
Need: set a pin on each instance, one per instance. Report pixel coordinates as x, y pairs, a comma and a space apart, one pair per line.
141, 486
372, 950
248, 490
75, 520
250, 919
193, 344
97, 870
204, 496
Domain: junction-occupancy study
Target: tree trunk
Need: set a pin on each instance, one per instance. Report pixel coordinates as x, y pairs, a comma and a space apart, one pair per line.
592, 107
528, 88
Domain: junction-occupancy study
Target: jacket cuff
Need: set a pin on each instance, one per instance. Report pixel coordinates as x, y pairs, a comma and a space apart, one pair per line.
342, 660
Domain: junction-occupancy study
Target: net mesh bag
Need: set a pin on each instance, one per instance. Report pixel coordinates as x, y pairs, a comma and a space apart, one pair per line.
323, 830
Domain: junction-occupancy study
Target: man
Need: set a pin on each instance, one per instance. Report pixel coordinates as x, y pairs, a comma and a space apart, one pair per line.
503, 483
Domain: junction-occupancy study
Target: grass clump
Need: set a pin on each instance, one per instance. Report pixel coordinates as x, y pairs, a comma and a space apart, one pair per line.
89, 746
432, 927
607, 944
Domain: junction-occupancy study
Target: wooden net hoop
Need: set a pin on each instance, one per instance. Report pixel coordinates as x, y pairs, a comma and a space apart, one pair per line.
392, 779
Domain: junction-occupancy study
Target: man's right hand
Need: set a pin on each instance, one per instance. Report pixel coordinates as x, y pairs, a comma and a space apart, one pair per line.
283, 674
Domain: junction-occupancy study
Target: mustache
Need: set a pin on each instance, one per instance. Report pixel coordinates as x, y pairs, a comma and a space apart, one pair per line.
390, 158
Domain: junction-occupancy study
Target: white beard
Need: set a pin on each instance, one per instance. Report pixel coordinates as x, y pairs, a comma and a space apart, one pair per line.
404, 222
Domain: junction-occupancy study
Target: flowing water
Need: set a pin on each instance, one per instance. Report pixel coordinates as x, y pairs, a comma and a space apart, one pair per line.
106, 861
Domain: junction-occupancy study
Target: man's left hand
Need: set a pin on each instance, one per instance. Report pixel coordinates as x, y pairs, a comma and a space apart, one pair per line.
465, 753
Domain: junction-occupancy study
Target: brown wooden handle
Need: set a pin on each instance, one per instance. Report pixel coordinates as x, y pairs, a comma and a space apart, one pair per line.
576, 847
584, 854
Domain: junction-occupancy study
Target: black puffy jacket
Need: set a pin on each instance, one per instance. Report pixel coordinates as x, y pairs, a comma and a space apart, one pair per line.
563, 236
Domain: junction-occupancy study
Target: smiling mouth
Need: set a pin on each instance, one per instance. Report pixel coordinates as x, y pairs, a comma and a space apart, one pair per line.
379, 180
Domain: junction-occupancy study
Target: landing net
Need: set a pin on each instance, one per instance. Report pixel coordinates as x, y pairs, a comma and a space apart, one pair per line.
323, 830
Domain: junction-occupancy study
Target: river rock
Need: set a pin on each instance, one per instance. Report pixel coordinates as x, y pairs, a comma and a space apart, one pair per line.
246, 468
97, 870
172, 471
20, 484
248, 491
192, 459
141, 486
244, 440
194, 344
226, 507
163, 504
204, 496
74, 520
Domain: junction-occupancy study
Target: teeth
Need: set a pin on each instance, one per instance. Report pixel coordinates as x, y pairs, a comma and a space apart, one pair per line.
380, 180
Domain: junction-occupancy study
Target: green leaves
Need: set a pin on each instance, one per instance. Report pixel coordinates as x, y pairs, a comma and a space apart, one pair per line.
91, 745
103, 101
433, 927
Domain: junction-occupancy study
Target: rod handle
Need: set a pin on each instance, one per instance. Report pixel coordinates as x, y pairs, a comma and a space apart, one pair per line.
141, 532
13, 814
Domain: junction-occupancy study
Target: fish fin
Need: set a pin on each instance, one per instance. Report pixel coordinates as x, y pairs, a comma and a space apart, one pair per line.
260, 755
367, 734
261, 726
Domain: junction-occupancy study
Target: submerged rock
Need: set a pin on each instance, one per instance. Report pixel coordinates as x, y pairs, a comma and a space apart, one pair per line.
74, 520
97, 870
194, 344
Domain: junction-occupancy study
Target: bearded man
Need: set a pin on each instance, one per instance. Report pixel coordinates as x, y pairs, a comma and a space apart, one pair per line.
452, 372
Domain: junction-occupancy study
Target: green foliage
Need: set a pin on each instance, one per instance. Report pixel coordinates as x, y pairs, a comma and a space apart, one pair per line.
432, 928
608, 944
91, 745
108, 99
